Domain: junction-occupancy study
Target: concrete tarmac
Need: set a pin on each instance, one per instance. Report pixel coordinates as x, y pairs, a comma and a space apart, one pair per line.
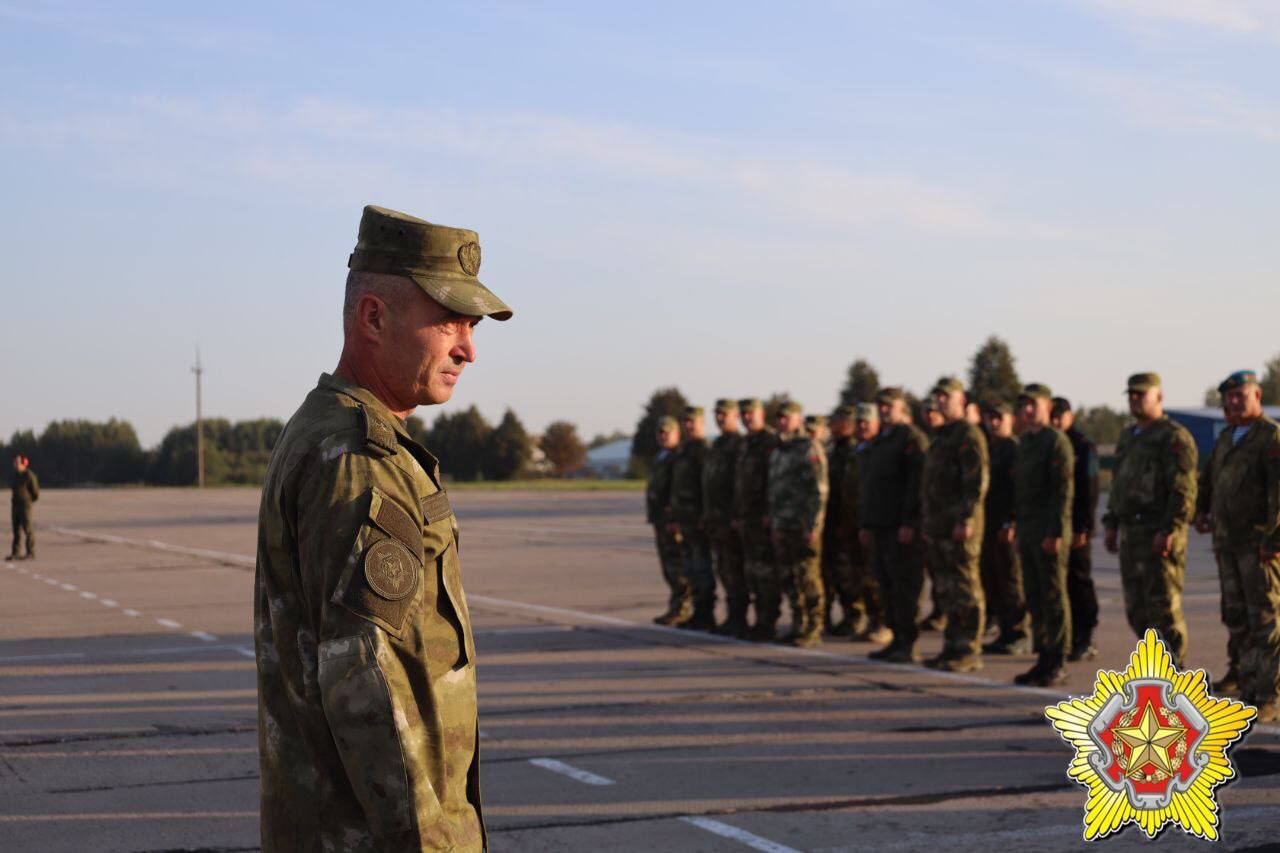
127, 700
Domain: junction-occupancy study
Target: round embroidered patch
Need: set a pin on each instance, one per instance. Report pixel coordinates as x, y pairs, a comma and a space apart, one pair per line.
391, 570
469, 258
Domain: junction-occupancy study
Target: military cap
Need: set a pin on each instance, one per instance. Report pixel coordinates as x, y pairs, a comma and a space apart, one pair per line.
888, 395
1035, 391
746, 404
790, 408
1061, 405
996, 405
927, 405
1238, 380
866, 412
442, 261
947, 385
844, 413
694, 412
724, 404
666, 423
815, 420
1140, 382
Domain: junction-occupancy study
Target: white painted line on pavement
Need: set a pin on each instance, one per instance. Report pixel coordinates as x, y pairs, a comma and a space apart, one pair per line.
106, 602
128, 612
169, 623
201, 635
741, 836
249, 653
53, 582
89, 595
69, 587
569, 770
530, 629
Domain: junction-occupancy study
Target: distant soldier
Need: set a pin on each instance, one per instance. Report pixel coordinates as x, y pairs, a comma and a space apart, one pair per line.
933, 421
26, 491
839, 539
1084, 512
666, 533
686, 511
815, 426
1152, 501
865, 591
1244, 511
953, 487
889, 464
1044, 478
797, 505
1233, 616
1001, 567
718, 475
751, 515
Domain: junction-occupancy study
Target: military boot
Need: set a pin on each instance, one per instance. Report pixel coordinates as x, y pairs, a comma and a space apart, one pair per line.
762, 633
703, 618
1268, 712
1083, 649
935, 621
1228, 684
901, 654
1033, 675
969, 662
1007, 644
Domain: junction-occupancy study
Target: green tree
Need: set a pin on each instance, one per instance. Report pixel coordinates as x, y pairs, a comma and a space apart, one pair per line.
860, 384
1102, 424
459, 441
417, 429
564, 450
1212, 399
773, 404
1270, 382
602, 438
509, 449
992, 374
665, 402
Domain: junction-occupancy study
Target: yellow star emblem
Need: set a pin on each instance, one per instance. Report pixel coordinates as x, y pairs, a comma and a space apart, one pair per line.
1149, 741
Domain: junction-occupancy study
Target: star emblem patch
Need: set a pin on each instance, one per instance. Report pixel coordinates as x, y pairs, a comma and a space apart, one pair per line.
1151, 745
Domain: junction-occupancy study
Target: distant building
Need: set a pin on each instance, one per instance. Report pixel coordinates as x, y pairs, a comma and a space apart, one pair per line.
608, 461
1205, 424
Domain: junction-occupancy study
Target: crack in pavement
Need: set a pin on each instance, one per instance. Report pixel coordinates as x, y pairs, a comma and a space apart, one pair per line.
165, 731
91, 788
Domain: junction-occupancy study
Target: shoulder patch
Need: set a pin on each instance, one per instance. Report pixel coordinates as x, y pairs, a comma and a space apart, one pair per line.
390, 570
379, 436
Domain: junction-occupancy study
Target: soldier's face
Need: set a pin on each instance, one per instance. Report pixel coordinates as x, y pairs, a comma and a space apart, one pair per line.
1243, 404
866, 430
789, 423
18, 466
842, 427
951, 404
668, 438
998, 423
1063, 420
754, 419
1145, 404
693, 427
423, 348
816, 432
727, 421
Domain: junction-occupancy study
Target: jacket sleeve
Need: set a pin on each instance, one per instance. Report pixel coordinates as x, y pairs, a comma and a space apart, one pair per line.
913, 451
35, 487
817, 461
1180, 469
973, 472
1084, 506
1061, 482
1204, 485
1110, 520
1271, 526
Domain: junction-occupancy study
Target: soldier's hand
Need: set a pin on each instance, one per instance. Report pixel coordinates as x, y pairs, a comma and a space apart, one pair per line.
864, 538
1203, 523
1160, 545
1051, 544
1111, 540
906, 535
672, 527
1079, 540
1006, 534
962, 531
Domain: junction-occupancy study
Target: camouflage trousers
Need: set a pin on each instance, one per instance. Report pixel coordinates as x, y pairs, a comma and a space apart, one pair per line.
847, 578
899, 574
802, 562
671, 558
761, 574
1153, 586
1082, 594
1045, 577
1250, 610
958, 579
727, 555
1002, 584
696, 547
22, 526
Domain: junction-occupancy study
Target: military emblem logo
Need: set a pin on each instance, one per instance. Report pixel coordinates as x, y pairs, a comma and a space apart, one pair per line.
391, 570
1151, 745
469, 258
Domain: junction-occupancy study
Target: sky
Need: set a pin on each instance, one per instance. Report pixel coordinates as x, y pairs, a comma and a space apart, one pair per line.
736, 198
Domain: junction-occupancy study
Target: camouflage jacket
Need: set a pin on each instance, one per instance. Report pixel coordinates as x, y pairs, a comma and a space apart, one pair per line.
1044, 482
751, 481
1240, 486
686, 482
26, 489
719, 470
999, 502
850, 486
657, 492
1155, 478
839, 456
367, 727
890, 477
954, 481
1084, 503
797, 484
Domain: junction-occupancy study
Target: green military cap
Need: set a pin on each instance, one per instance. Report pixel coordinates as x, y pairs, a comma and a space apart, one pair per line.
844, 413
996, 405
947, 385
694, 412
442, 261
790, 408
1141, 382
666, 423
888, 395
1238, 380
927, 405
1061, 405
1036, 391
724, 404
746, 404
815, 420
866, 412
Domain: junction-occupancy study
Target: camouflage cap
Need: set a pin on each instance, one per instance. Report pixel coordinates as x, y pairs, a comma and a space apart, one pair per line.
947, 385
845, 413
442, 261
746, 404
665, 423
995, 405
724, 404
790, 408
693, 412
1061, 405
888, 395
928, 405
1035, 391
815, 420
866, 412
1142, 382
1239, 379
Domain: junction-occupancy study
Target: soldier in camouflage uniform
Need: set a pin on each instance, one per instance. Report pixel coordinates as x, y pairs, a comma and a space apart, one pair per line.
367, 721
841, 552
797, 504
1001, 566
718, 476
815, 426
1243, 509
1233, 617
751, 516
952, 489
933, 422
686, 514
1084, 510
26, 491
666, 534
1044, 476
1152, 501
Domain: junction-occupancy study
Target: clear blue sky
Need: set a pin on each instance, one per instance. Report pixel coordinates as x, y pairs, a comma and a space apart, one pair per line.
738, 198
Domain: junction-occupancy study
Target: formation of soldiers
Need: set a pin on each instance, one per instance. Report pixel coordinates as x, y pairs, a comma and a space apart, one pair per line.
995, 502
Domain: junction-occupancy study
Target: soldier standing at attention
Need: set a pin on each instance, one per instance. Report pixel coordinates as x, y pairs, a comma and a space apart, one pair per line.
751, 515
1044, 475
1084, 511
666, 534
840, 579
933, 422
1244, 511
367, 727
686, 514
1232, 613
889, 466
718, 474
953, 487
865, 418
1001, 568
797, 504
933, 419
815, 426
1152, 501
26, 491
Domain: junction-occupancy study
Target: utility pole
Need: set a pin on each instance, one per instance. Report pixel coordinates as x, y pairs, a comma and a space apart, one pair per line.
198, 370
